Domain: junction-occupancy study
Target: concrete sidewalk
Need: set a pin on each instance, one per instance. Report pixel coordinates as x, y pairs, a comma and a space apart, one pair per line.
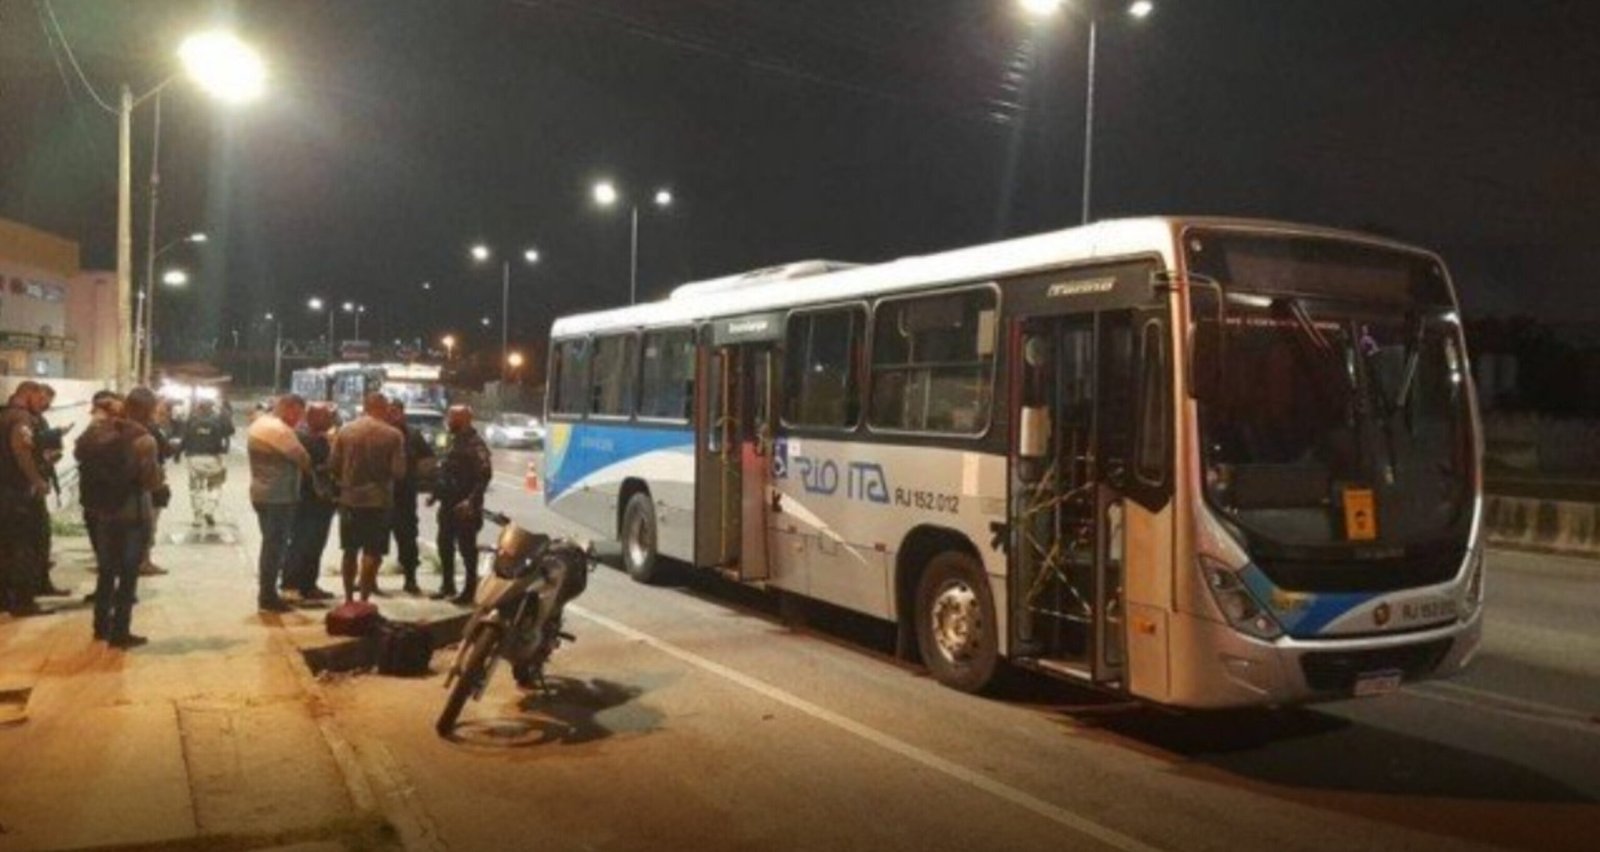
212, 736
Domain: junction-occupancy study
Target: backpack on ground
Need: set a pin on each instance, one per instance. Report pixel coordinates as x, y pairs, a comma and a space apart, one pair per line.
357, 618
404, 650
108, 467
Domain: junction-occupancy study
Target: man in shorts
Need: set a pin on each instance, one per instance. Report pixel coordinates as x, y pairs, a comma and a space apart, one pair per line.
368, 457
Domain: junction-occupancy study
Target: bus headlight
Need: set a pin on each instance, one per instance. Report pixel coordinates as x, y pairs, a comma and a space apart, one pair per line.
1241, 609
1473, 597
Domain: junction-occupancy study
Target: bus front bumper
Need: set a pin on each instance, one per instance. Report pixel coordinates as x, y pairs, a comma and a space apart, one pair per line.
1215, 666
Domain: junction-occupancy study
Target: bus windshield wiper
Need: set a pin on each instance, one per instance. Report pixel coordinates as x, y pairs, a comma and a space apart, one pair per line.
1316, 340
1417, 330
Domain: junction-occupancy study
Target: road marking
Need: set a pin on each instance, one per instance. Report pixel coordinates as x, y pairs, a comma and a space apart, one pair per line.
1521, 708
1054, 813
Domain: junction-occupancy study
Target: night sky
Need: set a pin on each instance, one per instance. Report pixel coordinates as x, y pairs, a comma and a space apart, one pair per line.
396, 132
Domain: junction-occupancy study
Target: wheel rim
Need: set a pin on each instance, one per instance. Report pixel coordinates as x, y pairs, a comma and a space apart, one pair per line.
957, 621
638, 539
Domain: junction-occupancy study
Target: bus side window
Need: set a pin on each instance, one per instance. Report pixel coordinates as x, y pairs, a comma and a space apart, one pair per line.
667, 375
571, 378
822, 385
612, 389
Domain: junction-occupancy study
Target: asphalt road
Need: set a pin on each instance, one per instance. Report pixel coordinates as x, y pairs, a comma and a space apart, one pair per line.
693, 715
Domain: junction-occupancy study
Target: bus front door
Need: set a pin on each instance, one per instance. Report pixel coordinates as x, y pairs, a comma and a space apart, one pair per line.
1069, 392
733, 462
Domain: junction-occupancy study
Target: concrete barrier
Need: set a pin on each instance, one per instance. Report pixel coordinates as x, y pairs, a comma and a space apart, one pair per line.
1553, 526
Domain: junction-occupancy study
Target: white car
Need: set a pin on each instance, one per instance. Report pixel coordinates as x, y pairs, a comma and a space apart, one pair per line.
514, 430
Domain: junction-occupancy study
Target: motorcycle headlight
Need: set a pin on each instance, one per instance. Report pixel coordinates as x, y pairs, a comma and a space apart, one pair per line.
1238, 606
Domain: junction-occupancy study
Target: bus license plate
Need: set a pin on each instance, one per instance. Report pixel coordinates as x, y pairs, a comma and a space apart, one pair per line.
1377, 683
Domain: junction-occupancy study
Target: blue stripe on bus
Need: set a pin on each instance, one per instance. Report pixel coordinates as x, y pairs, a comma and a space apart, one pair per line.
1303, 615
574, 451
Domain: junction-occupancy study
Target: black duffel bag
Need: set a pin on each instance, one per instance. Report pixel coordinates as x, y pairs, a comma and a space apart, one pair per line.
403, 650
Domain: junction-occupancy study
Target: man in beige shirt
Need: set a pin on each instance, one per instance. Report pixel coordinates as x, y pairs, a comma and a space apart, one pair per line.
368, 457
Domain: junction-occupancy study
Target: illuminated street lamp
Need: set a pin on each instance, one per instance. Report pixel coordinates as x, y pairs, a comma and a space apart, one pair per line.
606, 195
1041, 10
315, 303
229, 70
515, 362
355, 310
175, 278
144, 317
481, 254
449, 342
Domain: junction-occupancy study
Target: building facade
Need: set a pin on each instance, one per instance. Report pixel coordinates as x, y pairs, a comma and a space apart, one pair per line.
56, 320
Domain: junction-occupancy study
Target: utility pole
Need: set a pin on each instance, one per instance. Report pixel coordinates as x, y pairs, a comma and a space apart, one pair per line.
124, 374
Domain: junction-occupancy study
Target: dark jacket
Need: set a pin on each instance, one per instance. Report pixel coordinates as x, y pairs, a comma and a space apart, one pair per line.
17, 471
318, 447
417, 450
206, 436
465, 472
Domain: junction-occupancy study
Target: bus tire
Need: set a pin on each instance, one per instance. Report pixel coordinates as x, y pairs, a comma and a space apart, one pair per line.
956, 628
637, 532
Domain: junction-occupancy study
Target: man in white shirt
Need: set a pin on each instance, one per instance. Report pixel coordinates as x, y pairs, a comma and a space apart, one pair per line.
277, 461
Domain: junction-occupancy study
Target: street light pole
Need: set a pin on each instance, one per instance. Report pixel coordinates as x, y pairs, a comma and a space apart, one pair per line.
124, 377
633, 261
148, 348
1088, 119
277, 353
505, 313
231, 71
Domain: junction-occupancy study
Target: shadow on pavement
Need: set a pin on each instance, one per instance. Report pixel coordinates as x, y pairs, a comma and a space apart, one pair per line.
1306, 748
177, 646
568, 712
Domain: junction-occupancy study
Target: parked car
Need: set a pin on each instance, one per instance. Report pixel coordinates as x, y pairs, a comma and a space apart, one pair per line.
430, 422
509, 429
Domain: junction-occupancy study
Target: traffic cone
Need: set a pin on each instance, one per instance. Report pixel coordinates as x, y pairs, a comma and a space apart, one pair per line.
530, 481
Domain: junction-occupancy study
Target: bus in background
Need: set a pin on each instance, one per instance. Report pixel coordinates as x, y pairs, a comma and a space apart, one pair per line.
1200, 462
345, 385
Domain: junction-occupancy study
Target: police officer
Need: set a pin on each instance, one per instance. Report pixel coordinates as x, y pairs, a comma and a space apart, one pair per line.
205, 442
23, 515
404, 519
463, 478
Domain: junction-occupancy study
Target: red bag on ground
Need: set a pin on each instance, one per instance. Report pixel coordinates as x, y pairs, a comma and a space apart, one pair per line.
357, 618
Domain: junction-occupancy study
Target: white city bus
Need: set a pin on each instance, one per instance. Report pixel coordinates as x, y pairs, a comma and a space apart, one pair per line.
1201, 462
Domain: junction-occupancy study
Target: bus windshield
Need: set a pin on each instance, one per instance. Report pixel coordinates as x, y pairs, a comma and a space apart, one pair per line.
1322, 397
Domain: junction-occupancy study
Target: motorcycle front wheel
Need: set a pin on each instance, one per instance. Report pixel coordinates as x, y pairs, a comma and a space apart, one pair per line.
474, 663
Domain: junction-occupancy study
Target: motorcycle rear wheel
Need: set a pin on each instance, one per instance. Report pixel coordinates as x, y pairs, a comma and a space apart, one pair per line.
473, 665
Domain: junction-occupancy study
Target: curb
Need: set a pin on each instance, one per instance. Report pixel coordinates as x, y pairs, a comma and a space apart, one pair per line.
375, 786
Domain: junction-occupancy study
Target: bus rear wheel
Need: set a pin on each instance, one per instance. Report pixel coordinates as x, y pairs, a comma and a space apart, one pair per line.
955, 622
638, 537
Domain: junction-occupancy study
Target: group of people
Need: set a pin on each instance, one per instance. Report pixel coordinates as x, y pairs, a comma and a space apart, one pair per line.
369, 475
305, 471
120, 456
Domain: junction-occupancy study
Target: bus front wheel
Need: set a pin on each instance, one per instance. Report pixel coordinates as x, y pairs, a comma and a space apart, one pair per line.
955, 622
638, 536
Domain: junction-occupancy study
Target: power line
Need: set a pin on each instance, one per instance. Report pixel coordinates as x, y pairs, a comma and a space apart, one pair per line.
67, 48
66, 84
